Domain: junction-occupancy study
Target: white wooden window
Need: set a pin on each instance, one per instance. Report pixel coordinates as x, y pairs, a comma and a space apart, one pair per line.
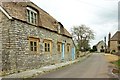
31, 16
58, 28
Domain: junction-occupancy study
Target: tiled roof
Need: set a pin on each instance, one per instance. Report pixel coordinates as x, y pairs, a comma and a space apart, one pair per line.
116, 36
17, 10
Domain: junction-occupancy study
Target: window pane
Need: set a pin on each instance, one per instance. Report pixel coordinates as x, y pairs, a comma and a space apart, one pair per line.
58, 47
27, 12
31, 43
35, 18
28, 15
68, 48
31, 17
35, 48
118, 42
45, 45
48, 47
35, 44
45, 49
31, 48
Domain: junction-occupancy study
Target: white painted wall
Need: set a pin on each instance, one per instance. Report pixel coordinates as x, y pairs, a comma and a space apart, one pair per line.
99, 46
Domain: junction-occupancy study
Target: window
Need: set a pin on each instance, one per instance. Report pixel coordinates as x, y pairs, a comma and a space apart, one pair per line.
68, 48
118, 42
47, 45
58, 28
31, 16
118, 48
33, 44
59, 47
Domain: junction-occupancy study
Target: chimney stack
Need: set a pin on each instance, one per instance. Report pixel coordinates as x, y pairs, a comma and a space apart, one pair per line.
109, 37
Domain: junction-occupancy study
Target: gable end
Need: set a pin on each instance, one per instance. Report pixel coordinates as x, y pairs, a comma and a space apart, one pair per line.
9, 17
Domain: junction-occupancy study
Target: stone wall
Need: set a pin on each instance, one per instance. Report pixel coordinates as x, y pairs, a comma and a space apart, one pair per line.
0, 40
6, 44
16, 55
113, 46
99, 46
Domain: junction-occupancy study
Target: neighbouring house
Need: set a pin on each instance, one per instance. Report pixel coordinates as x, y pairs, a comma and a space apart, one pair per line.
100, 46
31, 38
114, 42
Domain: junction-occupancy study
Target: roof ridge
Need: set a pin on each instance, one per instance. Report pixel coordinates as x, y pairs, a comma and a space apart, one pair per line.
116, 36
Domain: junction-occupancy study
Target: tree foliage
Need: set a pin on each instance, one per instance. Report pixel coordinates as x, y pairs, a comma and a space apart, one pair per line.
82, 36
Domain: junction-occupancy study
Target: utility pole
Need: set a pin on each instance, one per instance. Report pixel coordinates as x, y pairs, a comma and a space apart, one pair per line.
105, 43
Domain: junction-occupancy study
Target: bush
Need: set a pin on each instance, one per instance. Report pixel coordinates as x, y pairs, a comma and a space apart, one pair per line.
113, 51
91, 50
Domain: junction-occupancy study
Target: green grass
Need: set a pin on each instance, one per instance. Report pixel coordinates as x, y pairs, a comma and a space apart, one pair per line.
117, 63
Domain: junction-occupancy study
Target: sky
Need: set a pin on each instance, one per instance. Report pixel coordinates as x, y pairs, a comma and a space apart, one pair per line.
100, 15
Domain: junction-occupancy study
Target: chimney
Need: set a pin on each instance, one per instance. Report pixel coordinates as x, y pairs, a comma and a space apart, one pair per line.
109, 37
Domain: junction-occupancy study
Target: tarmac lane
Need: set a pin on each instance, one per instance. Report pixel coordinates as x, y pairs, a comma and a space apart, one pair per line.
95, 66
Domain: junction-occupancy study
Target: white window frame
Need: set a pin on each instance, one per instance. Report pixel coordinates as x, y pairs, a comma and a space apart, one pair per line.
58, 28
30, 18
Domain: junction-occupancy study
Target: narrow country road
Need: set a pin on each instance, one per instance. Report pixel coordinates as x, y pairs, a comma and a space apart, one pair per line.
95, 66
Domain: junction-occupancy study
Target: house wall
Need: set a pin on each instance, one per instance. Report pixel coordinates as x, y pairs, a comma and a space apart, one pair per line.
0, 41
99, 46
113, 46
16, 53
7, 43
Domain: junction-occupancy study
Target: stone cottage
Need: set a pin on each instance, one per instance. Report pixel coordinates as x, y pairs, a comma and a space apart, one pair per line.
100, 46
114, 42
31, 38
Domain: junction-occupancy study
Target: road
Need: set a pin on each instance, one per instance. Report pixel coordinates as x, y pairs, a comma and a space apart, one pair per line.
95, 66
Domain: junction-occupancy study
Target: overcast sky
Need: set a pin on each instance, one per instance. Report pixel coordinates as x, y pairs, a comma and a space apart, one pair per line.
100, 15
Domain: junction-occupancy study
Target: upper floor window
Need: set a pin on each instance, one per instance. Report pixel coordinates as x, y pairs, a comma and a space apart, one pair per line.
31, 15
58, 28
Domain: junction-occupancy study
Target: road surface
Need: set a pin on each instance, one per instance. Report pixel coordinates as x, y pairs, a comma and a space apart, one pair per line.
95, 66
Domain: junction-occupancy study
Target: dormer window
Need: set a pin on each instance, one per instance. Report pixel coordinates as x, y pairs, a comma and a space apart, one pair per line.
31, 16
58, 28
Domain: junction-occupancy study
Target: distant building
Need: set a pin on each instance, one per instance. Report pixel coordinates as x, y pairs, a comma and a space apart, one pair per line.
100, 46
114, 42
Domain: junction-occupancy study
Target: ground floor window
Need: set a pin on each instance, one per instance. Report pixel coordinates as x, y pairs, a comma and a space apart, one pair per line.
59, 47
34, 44
68, 48
47, 45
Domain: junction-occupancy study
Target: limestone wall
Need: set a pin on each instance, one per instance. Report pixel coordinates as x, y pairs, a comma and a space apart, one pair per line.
16, 53
0, 40
114, 46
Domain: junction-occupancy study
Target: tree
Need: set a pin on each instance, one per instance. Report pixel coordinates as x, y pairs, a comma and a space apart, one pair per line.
82, 36
94, 48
